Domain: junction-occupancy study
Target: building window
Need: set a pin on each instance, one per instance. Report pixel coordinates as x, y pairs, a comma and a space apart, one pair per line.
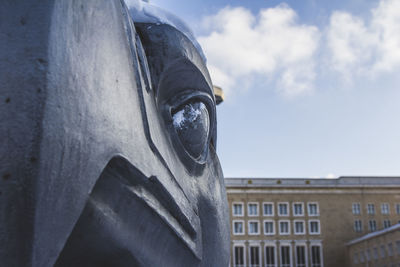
268, 209
313, 209
390, 249
385, 208
398, 247
362, 257
371, 209
299, 228
270, 256
284, 228
368, 253
238, 227
358, 226
316, 258
313, 227
283, 209
254, 228
285, 256
383, 251
237, 209
252, 209
372, 225
298, 209
386, 223
269, 227
375, 253
239, 260
356, 208
398, 208
355, 258
301, 256
255, 256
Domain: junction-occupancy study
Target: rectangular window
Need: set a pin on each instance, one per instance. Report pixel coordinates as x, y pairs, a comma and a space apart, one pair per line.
237, 209
269, 227
313, 209
254, 256
372, 225
284, 228
298, 209
238, 227
299, 228
283, 209
390, 249
314, 228
398, 208
270, 260
301, 256
385, 208
268, 209
398, 247
386, 223
362, 257
356, 208
252, 209
383, 251
316, 260
368, 254
358, 226
253, 228
239, 256
285, 256
375, 253
355, 258
371, 209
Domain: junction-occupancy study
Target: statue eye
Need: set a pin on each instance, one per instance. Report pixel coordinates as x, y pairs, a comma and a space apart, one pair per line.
192, 125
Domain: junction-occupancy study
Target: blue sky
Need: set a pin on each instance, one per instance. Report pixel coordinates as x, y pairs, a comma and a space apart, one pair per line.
312, 87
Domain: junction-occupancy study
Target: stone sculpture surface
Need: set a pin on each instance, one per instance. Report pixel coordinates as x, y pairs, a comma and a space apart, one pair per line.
108, 132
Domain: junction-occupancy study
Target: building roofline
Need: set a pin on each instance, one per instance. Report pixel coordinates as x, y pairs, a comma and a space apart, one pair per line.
343, 181
374, 234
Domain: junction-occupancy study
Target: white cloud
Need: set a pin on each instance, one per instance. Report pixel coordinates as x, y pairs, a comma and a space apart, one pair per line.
361, 47
331, 176
272, 44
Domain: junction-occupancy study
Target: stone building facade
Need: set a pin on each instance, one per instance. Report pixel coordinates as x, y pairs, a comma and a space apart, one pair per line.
306, 222
377, 249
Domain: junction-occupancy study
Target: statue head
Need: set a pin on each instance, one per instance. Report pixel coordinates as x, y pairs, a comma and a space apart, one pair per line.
111, 161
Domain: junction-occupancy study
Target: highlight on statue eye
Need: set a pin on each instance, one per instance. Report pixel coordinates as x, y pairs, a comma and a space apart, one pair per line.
192, 124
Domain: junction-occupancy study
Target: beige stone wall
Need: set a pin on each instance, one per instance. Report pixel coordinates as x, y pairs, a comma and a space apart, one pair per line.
335, 215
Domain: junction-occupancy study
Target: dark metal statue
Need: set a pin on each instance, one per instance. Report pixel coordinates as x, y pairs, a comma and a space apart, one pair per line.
108, 134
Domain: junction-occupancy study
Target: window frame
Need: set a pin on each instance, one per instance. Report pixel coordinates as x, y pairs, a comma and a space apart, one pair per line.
300, 244
385, 223
258, 227
257, 245
309, 227
355, 226
358, 204
369, 225
284, 244
279, 210
302, 209
321, 253
373, 208
308, 209
257, 209
233, 227
234, 255
294, 227
270, 244
388, 208
273, 209
279, 225
233, 209
273, 227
